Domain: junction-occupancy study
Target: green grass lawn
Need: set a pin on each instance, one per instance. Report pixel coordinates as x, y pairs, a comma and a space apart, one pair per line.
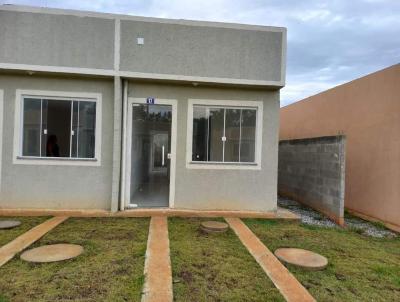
360, 268
214, 267
205, 267
26, 224
110, 269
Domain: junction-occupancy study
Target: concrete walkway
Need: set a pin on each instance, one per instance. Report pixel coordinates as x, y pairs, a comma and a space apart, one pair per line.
157, 268
8, 251
287, 284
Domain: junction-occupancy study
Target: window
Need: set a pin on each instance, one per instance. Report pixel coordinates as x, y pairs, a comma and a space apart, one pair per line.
224, 134
58, 128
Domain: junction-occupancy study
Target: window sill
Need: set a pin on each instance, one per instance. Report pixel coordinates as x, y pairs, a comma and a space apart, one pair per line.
223, 165
33, 160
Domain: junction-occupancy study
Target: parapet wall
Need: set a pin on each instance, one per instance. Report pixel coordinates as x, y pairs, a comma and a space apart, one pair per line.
312, 171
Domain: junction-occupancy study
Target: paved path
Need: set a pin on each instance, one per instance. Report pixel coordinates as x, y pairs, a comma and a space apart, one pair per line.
157, 269
287, 284
8, 251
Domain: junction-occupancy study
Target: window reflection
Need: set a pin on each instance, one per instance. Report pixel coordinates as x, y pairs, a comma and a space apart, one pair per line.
59, 128
223, 134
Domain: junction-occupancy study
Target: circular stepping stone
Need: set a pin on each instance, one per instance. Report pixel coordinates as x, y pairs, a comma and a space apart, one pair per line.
302, 258
9, 224
52, 253
214, 226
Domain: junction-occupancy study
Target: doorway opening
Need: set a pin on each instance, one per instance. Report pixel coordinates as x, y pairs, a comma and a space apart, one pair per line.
150, 155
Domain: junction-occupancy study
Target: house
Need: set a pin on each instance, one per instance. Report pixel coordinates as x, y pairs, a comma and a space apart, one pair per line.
107, 111
367, 112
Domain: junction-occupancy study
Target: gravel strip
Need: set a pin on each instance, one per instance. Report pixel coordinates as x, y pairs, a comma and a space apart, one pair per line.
312, 217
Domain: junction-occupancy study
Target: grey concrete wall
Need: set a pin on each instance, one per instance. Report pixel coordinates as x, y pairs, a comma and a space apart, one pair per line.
56, 187
312, 171
56, 40
222, 189
201, 51
172, 49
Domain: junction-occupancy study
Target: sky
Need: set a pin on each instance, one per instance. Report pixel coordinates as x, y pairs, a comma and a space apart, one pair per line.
330, 42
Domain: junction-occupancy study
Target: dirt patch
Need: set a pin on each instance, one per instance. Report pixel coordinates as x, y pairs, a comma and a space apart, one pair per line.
186, 276
117, 234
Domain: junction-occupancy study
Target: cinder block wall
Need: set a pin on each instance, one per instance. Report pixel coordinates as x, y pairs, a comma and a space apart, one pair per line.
312, 171
367, 111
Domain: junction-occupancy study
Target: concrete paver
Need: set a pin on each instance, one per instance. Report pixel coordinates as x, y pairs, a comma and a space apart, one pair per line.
158, 272
302, 258
288, 285
8, 251
52, 253
9, 224
214, 226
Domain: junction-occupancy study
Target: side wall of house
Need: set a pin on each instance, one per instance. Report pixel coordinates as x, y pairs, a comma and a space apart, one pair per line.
55, 186
233, 189
367, 112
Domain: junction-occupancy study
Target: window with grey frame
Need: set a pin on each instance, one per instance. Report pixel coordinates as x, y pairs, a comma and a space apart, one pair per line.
224, 134
58, 128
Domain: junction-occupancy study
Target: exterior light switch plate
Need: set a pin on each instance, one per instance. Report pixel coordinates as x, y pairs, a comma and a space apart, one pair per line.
140, 41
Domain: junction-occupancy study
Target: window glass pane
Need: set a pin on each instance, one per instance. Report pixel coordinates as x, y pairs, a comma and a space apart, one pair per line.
232, 134
44, 128
159, 113
86, 129
160, 150
216, 132
58, 128
31, 130
200, 131
211, 124
248, 135
74, 134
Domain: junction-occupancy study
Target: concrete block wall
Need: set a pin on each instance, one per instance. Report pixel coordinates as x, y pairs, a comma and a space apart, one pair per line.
312, 171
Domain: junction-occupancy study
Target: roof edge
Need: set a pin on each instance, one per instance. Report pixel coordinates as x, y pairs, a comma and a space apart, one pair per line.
113, 16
